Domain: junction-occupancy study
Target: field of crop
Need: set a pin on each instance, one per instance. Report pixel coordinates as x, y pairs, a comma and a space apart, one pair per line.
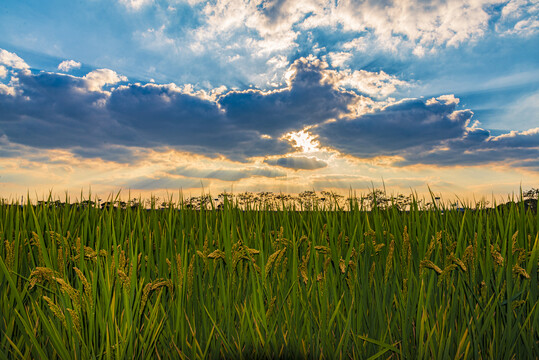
81, 282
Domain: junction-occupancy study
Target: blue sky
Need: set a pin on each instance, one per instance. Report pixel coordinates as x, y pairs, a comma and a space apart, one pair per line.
281, 95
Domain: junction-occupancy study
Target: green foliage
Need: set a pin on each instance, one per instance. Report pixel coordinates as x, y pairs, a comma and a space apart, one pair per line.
252, 281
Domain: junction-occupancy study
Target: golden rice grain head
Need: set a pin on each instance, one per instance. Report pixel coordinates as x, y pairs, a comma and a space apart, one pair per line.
75, 319
271, 261
361, 248
468, 255
353, 255
77, 245
269, 311
122, 262
522, 256
371, 272
90, 254
35, 239
257, 268
430, 249
389, 260
145, 294
378, 247
159, 283
56, 310
496, 256
322, 249
430, 265
457, 261
303, 273
342, 265
124, 280
10, 256
280, 257
73, 294
86, 285
519, 271
446, 273
61, 259
451, 247
514, 241
190, 276
217, 254
55, 237
370, 234
40, 275
251, 251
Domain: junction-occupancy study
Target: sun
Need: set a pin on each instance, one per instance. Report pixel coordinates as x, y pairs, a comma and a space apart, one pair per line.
303, 141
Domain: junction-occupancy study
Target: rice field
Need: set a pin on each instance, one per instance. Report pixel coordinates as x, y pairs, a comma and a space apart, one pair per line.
263, 282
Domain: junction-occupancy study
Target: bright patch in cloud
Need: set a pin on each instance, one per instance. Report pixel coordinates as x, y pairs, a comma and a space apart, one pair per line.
303, 141
12, 60
135, 4
7, 90
96, 79
67, 65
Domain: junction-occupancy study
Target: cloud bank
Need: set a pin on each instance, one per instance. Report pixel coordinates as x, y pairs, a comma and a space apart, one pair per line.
103, 115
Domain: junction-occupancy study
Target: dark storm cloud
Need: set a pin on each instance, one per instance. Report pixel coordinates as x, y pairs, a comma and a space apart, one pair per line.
389, 131
309, 100
165, 117
56, 111
298, 163
477, 147
430, 132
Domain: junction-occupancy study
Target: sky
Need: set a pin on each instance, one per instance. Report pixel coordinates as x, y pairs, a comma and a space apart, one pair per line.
153, 96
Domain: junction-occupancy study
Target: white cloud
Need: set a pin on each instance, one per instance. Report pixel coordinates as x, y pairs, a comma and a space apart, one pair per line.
135, 4
3, 72
12, 60
272, 27
67, 65
519, 17
338, 59
98, 78
278, 62
377, 84
156, 39
444, 99
7, 90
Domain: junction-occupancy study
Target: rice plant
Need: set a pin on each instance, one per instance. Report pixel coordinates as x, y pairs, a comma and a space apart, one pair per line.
262, 281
